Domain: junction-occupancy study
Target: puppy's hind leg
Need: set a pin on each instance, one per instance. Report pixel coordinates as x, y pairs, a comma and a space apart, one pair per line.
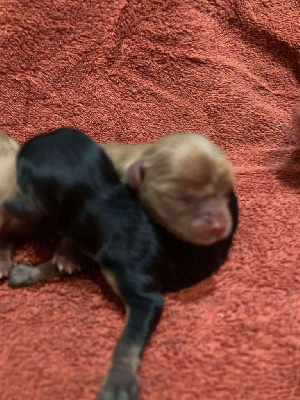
68, 258
143, 310
5, 258
25, 275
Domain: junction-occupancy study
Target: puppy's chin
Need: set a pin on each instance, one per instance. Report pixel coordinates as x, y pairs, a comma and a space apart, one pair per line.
209, 241
200, 240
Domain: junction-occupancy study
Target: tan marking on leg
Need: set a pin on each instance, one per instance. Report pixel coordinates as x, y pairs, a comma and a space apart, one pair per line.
111, 280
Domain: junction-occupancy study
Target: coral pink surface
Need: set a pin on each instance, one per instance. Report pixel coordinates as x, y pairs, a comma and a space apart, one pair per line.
132, 71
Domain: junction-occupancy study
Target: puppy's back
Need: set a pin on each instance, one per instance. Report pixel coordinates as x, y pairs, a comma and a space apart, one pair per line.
66, 151
66, 156
66, 177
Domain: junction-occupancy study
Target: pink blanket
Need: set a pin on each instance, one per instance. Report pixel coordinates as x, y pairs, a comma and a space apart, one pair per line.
133, 70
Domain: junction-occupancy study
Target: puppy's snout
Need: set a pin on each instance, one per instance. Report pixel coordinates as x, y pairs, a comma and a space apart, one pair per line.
211, 226
214, 224
218, 228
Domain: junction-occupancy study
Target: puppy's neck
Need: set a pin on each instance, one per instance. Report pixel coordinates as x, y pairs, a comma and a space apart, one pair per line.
124, 155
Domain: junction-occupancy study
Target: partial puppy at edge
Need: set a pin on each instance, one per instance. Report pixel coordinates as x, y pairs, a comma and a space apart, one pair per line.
10, 227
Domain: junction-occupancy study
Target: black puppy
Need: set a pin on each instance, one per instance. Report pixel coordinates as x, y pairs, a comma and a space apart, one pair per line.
66, 178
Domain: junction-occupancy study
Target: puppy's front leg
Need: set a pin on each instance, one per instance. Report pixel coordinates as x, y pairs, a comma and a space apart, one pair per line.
69, 258
143, 310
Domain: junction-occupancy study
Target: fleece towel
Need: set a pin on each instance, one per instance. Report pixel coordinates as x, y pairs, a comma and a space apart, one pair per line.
132, 71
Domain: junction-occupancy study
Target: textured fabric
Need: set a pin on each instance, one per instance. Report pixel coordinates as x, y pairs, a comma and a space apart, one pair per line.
132, 71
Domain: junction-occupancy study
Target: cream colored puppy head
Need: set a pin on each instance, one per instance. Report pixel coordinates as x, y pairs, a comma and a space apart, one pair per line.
184, 182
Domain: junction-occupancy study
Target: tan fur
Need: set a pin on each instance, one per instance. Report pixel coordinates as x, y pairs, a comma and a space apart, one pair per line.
8, 153
7, 145
8, 188
181, 171
111, 280
124, 155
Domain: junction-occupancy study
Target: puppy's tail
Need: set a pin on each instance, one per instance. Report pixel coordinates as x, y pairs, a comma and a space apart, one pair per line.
25, 207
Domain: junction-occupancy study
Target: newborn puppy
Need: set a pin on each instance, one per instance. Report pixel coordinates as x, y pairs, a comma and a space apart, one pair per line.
66, 178
184, 181
186, 184
9, 226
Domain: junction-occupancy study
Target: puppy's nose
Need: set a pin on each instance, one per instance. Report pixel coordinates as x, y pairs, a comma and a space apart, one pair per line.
218, 228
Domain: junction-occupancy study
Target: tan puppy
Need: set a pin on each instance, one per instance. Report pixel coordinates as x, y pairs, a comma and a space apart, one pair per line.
9, 226
184, 182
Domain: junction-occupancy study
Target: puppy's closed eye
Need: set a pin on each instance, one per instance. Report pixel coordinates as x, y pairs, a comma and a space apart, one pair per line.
178, 197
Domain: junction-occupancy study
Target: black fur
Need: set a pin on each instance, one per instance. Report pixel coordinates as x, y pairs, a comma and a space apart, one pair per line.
66, 178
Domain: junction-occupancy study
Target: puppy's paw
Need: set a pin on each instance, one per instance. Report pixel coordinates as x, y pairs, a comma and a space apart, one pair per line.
119, 384
5, 267
23, 275
65, 264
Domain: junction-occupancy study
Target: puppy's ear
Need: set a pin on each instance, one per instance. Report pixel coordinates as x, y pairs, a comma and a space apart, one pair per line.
156, 160
25, 207
134, 175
